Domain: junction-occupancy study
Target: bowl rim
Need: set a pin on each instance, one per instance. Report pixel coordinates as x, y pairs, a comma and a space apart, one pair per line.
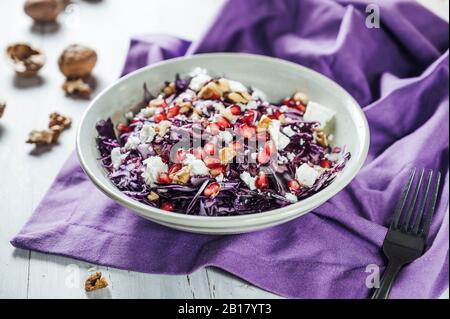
285, 212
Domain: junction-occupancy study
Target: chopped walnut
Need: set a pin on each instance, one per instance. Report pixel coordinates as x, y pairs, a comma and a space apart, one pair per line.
239, 97
321, 137
185, 107
300, 97
263, 124
95, 281
2, 107
170, 89
152, 196
59, 122
226, 155
163, 127
223, 84
210, 91
181, 176
78, 87
44, 137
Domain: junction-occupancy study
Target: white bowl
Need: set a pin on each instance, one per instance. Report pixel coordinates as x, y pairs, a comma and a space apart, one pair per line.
278, 79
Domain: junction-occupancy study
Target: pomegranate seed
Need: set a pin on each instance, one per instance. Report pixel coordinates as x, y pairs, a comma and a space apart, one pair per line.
300, 107
123, 128
236, 146
217, 171
289, 102
293, 185
198, 152
277, 114
160, 117
247, 131
164, 104
212, 162
269, 148
174, 168
262, 181
163, 178
248, 118
167, 206
235, 109
325, 163
223, 122
180, 156
135, 120
210, 149
263, 157
173, 111
212, 190
213, 129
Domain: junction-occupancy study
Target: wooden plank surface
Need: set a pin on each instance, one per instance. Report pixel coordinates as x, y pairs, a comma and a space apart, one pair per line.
25, 175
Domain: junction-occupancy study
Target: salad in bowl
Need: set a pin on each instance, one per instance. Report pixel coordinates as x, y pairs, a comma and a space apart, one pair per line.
211, 146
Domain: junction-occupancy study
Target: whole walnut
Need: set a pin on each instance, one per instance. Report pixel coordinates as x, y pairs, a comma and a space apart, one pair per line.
44, 10
77, 61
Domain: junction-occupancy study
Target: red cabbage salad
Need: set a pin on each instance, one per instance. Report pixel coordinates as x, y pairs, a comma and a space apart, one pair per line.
211, 146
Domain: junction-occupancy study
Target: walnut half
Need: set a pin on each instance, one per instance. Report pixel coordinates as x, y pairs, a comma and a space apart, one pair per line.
44, 137
59, 122
95, 281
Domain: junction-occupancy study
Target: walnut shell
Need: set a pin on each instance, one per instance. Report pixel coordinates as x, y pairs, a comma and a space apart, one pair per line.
77, 61
44, 10
25, 59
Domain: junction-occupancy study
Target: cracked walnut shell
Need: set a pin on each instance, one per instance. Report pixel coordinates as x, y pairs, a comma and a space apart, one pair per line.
77, 61
25, 59
43, 11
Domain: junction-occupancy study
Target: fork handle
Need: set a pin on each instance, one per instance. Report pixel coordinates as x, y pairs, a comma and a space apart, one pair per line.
387, 280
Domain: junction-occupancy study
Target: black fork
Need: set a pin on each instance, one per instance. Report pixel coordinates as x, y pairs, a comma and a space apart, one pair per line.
406, 237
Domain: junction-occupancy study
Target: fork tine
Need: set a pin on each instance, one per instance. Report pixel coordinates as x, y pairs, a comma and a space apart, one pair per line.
412, 205
424, 197
426, 226
401, 202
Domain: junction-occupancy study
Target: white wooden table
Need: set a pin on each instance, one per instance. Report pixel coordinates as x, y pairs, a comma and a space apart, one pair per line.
25, 176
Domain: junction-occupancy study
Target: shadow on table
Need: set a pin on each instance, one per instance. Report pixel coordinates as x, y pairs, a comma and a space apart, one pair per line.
25, 82
45, 28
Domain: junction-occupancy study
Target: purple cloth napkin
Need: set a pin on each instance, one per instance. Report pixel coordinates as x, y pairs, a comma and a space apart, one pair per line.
398, 72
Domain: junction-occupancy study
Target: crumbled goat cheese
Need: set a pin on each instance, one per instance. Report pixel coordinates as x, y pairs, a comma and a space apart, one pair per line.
197, 71
284, 108
226, 136
316, 112
236, 86
288, 131
290, 156
219, 178
132, 142
147, 133
280, 140
258, 94
148, 111
187, 95
129, 115
199, 81
153, 167
116, 157
291, 197
306, 175
248, 180
196, 166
